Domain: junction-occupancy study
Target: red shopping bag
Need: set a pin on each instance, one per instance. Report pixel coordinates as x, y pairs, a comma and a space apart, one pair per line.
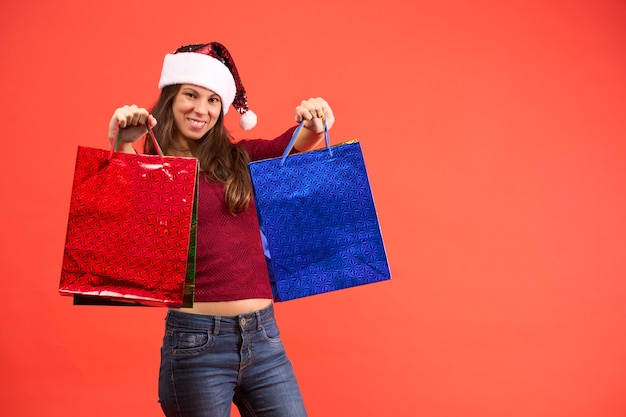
131, 229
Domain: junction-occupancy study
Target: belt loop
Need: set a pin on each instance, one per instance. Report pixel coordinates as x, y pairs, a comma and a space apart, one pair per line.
258, 320
216, 325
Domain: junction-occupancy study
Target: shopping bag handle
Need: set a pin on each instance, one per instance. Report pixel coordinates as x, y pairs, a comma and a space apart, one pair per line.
295, 135
150, 134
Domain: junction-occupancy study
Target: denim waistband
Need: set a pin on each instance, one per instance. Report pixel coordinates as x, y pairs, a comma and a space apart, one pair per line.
221, 324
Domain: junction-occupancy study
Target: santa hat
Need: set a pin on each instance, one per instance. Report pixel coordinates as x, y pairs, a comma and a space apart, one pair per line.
210, 66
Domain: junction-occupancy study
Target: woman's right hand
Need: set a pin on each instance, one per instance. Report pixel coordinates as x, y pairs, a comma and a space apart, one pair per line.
132, 123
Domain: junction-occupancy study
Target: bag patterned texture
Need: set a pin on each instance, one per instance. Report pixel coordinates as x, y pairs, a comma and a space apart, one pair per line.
318, 221
131, 230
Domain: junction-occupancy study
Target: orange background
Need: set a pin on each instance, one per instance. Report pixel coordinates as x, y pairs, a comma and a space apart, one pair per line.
493, 132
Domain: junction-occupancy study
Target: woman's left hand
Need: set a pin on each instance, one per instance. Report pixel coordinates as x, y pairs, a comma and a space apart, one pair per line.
312, 111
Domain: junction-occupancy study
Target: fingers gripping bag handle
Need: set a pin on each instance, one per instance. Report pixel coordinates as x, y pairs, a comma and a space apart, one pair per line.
150, 133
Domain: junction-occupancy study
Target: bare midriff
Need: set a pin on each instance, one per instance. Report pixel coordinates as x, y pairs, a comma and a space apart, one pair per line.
228, 308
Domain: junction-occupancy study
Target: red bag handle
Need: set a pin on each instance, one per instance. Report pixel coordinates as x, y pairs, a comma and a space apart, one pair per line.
150, 134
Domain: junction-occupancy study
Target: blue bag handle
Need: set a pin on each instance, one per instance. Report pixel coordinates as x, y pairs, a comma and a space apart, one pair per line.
295, 135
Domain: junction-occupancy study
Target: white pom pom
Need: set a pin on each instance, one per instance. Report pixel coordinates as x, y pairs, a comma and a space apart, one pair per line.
247, 120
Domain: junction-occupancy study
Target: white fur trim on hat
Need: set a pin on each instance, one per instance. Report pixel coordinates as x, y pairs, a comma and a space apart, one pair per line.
202, 70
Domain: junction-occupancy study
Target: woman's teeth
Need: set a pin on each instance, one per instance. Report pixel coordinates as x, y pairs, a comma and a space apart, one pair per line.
196, 124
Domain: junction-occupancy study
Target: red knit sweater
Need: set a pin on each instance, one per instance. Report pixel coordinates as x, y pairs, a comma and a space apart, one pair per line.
230, 263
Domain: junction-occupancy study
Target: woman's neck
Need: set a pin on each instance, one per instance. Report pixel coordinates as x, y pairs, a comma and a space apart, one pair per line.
183, 147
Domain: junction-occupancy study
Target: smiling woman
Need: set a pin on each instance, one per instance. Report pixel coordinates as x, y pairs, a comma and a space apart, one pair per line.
233, 299
196, 110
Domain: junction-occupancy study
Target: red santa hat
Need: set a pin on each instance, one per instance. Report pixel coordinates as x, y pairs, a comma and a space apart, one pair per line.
209, 65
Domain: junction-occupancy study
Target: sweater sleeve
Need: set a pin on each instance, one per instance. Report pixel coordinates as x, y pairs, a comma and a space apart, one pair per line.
263, 149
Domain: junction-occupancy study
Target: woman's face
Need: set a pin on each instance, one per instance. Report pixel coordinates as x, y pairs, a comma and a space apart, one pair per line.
196, 110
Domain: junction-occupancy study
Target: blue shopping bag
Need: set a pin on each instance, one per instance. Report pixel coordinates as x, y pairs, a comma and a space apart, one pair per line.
318, 220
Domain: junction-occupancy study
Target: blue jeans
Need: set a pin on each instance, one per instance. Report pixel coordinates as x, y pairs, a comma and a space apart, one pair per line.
211, 362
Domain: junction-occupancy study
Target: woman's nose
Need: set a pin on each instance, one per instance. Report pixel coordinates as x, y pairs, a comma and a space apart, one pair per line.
201, 107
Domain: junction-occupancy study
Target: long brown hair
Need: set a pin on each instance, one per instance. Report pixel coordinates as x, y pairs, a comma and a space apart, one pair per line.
219, 157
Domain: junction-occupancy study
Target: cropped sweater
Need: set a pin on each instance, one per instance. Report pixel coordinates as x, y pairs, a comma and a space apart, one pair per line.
230, 263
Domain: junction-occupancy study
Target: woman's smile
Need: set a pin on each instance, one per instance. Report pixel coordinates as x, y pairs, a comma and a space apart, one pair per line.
196, 124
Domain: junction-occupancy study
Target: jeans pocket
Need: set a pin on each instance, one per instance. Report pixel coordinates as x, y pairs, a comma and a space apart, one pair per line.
271, 333
190, 341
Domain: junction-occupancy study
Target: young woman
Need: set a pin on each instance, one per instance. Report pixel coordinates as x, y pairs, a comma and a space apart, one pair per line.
226, 348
